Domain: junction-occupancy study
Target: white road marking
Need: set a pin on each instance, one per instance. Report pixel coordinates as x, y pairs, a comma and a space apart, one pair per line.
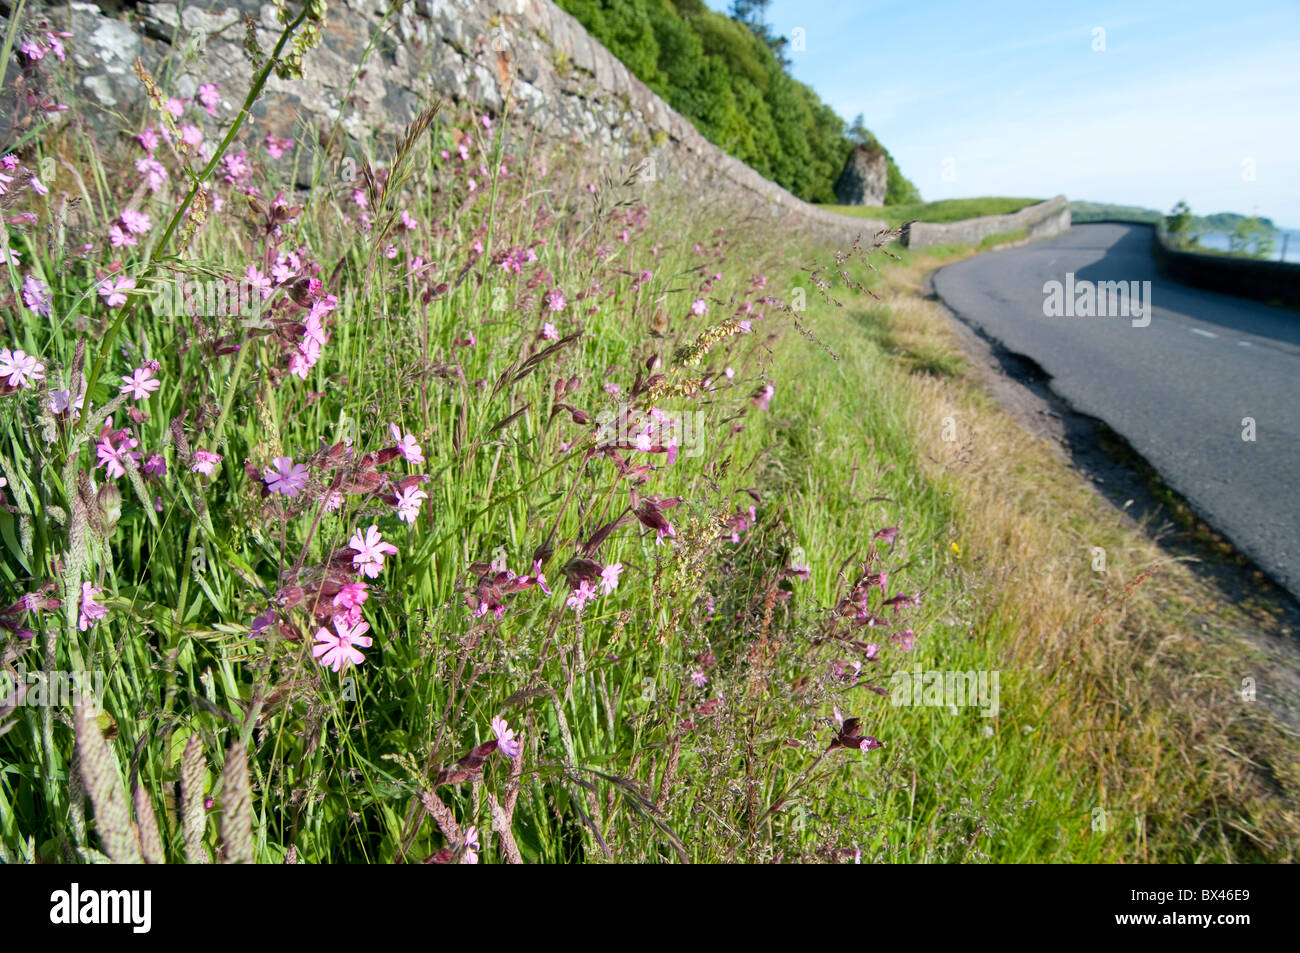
1244, 343
1208, 334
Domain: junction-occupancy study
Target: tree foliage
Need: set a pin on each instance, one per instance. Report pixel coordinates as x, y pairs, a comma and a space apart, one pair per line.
729, 77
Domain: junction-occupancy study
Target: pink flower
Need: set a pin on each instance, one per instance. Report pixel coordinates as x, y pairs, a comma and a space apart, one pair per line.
258, 280
555, 300
91, 611
698, 307
699, 678
37, 297
351, 595
408, 503
370, 551
609, 577
337, 650
156, 466
140, 384
148, 140
135, 221
113, 457
549, 332
406, 445
113, 290
905, 640
152, 170
236, 166
359, 198
278, 147
205, 462
506, 742
286, 477
20, 369
191, 135
210, 97
580, 596
764, 397
471, 845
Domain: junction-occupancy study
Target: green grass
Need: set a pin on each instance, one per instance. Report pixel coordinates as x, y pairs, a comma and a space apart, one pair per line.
946, 210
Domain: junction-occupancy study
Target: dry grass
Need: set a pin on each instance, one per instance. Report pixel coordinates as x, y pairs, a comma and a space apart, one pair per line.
1140, 668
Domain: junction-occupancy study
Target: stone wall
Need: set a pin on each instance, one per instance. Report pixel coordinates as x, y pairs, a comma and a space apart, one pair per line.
1039, 221
561, 82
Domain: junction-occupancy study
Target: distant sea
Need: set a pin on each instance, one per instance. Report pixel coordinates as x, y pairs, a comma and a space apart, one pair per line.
1219, 242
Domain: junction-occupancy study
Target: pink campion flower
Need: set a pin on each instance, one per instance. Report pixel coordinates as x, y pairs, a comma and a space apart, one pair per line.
152, 170
37, 186
507, 744
175, 107
334, 502
580, 596
338, 650
90, 610
113, 290
549, 332
236, 167
119, 237
471, 845
540, 577
204, 461
54, 39
9, 161
408, 222
148, 139
140, 384
370, 551
699, 307
764, 397
351, 595
905, 640
277, 147
887, 535
555, 300
285, 477
37, 296
156, 466
258, 280
135, 221
31, 49
209, 97
191, 135
359, 198
609, 577
408, 503
699, 678
5, 182
20, 369
406, 445
113, 457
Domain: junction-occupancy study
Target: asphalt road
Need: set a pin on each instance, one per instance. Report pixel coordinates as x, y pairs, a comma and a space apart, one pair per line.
1177, 389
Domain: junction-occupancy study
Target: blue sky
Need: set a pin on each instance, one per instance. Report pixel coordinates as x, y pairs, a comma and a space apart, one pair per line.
1188, 100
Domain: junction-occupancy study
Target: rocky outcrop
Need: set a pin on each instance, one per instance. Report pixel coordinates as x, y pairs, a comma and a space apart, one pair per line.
864, 178
379, 66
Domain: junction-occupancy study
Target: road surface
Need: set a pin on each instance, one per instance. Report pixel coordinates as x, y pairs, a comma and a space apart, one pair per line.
1179, 390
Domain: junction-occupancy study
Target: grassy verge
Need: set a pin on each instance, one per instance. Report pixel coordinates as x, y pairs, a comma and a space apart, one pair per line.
519, 514
946, 210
